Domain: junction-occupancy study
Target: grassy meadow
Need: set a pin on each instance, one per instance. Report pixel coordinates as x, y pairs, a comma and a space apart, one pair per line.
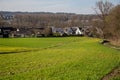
63, 58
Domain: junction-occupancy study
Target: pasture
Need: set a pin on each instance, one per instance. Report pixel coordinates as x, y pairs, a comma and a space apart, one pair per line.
63, 58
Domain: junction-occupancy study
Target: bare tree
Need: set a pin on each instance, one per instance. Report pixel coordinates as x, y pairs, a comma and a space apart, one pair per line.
102, 10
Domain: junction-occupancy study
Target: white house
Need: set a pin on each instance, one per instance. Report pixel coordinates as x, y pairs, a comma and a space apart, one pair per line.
76, 31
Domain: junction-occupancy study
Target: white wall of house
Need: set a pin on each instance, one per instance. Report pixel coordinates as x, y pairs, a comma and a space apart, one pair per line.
78, 32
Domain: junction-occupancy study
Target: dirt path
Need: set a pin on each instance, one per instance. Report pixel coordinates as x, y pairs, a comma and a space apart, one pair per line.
114, 73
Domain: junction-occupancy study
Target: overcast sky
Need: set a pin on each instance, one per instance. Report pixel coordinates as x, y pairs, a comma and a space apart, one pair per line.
68, 6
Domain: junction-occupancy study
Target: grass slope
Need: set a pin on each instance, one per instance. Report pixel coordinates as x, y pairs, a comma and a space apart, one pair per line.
71, 58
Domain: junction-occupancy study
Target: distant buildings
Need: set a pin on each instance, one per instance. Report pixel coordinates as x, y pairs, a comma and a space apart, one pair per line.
5, 32
41, 32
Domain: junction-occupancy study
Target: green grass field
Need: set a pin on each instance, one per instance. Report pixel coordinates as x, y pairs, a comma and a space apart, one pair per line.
70, 58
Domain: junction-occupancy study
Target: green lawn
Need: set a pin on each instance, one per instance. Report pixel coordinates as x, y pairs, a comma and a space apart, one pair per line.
70, 58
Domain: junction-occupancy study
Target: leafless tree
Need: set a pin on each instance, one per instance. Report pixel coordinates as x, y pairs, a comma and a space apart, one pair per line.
102, 11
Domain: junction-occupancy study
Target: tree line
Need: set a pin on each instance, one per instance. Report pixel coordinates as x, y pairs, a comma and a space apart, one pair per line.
51, 19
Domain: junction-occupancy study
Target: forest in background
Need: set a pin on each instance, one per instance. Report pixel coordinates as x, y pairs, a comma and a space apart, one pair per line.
45, 19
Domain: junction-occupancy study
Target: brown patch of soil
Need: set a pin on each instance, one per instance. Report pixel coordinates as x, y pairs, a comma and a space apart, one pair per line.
114, 73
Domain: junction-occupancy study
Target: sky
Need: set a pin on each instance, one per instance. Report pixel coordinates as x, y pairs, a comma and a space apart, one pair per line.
67, 6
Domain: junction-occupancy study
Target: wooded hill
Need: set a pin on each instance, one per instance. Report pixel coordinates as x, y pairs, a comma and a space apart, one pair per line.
45, 19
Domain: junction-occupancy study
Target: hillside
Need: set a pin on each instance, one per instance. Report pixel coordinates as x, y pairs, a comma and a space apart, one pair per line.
70, 58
